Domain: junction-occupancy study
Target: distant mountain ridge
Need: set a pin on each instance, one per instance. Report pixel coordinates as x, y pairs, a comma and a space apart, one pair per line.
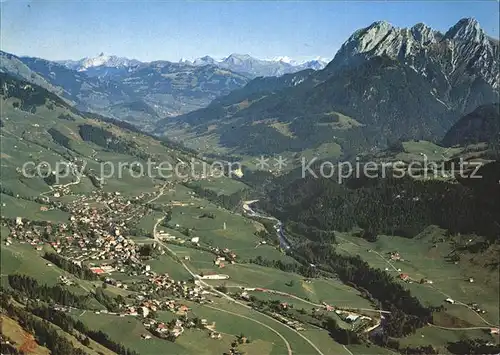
101, 60
244, 63
142, 93
239, 63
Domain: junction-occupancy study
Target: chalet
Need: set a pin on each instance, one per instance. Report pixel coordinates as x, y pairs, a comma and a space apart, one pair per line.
182, 309
395, 256
351, 317
215, 335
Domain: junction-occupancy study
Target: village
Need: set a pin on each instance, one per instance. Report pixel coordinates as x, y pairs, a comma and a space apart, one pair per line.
98, 238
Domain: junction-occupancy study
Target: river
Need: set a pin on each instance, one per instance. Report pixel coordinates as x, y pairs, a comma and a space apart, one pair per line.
284, 244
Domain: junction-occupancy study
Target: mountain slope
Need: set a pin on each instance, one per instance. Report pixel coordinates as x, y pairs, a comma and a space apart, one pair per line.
481, 125
13, 65
38, 126
89, 93
395, 83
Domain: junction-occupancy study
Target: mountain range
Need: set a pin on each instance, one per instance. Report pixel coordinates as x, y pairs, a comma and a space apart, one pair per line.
395, 83
244, 63
104, 65
140, 92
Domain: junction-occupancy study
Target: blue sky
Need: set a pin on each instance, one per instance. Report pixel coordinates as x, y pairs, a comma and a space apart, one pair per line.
151, 30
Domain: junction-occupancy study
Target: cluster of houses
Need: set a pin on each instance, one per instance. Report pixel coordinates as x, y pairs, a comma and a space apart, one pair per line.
476, 308
63, 280
98, 239
176, 327
179, 289
350, 317
93, 233
291, 323
395, 256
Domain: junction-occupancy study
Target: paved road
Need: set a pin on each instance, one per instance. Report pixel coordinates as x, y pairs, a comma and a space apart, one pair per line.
349, 351
466, 328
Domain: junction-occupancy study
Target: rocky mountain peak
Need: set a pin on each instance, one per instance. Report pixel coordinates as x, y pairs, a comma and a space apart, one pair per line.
467, 29
464, 51
424, 34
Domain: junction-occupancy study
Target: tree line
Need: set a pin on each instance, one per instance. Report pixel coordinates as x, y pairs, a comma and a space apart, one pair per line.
30, 287
81, 272
304, 270
68, 324
45, 333
392, 206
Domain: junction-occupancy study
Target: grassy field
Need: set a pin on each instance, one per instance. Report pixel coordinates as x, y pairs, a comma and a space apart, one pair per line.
128, 331
15, 207
24, 259
324, 342
326, 150
4, 233
424, 257
147, 222
440, 337
239, 235
235, 322
318, 291
178, 193
166, 264
420, 150
370, 349
252, 275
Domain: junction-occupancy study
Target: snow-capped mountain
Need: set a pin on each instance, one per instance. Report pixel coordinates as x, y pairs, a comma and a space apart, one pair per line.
109, 65
246, 64
102, 60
